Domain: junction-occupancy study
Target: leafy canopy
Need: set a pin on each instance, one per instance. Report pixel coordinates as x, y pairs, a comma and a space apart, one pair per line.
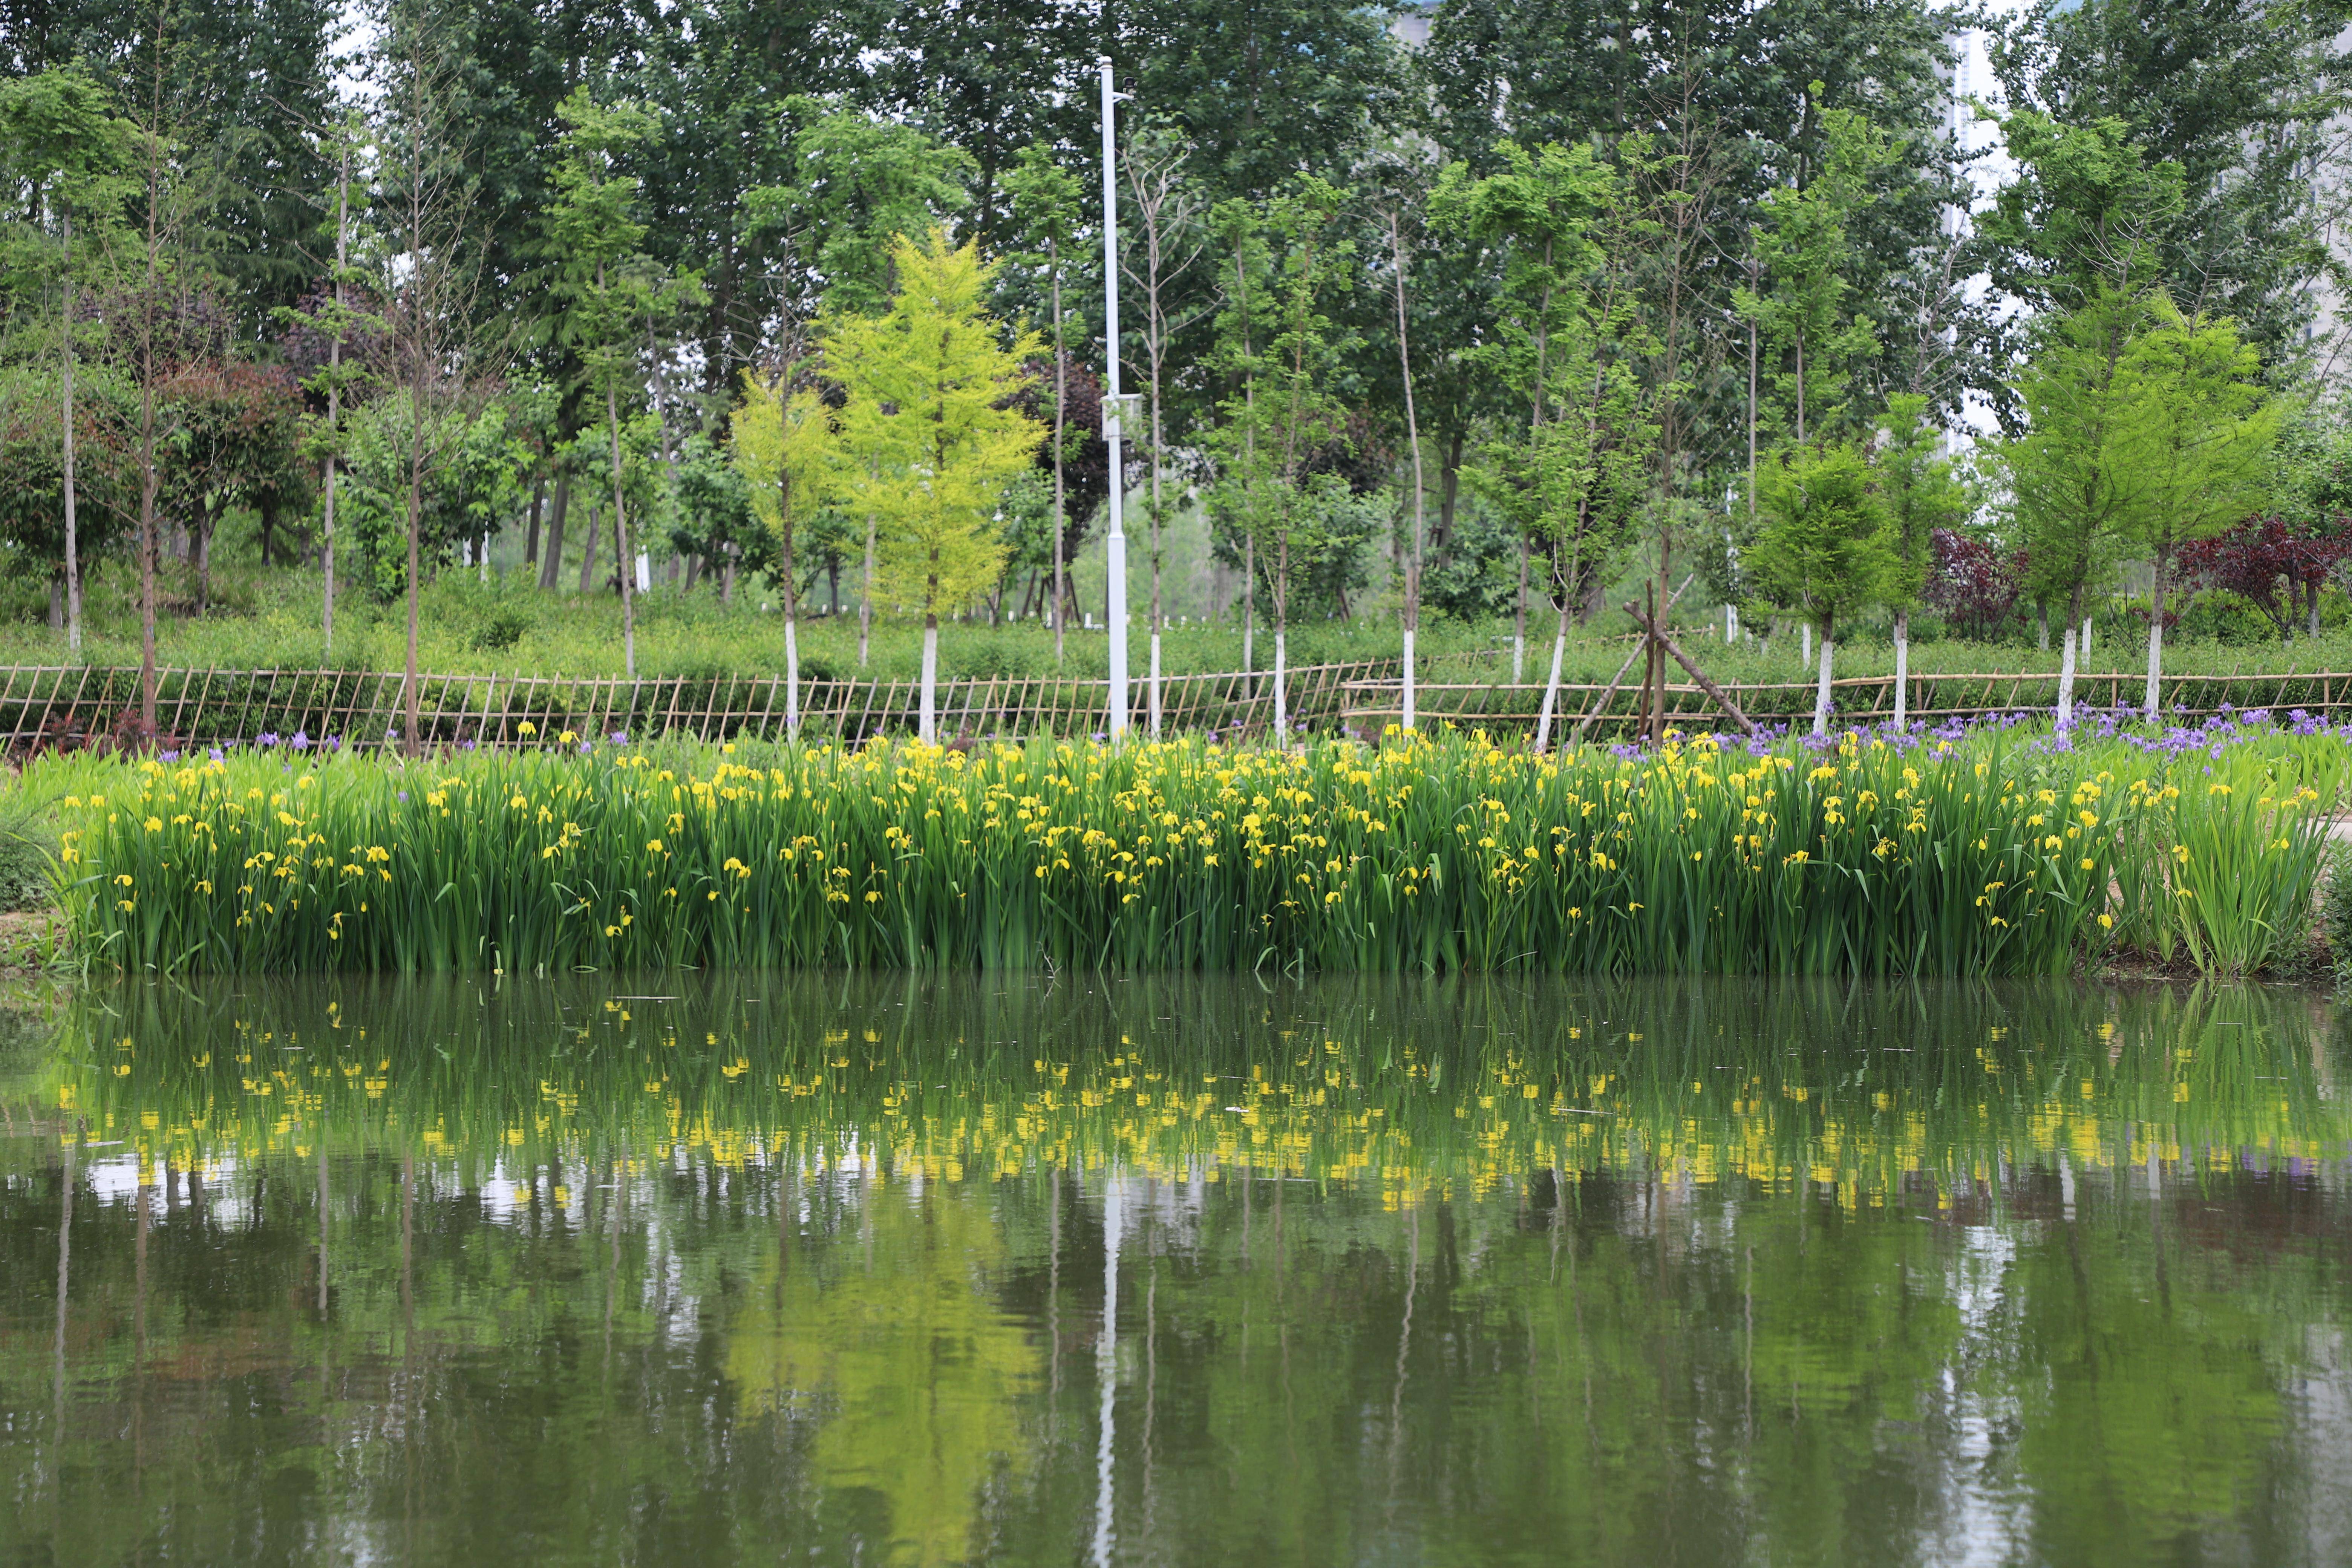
932, 432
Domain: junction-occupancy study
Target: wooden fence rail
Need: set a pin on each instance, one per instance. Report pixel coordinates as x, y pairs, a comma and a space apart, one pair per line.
58, 704
53, 705
1371, 705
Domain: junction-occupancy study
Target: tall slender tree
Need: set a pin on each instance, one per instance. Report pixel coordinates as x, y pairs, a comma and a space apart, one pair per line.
1169, 212
1044, 198
60, 135
932, 433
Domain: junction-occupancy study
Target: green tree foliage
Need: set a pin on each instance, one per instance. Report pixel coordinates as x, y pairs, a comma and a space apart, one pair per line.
787, 454
2199, 431
1923, 492
2076, 485
1805, 252
61, 141
1282, 422
619, 304
236, 434
1822, 549
1045, 197
930, 434
2236, 100
476, 477
1570, 478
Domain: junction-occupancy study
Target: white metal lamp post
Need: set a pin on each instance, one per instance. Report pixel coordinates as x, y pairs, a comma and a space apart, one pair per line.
1116, 411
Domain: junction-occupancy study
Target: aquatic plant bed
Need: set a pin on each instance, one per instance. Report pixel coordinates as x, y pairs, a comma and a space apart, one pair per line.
1995, 849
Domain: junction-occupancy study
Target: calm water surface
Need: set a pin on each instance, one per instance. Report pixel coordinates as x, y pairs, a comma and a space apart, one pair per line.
848, 1271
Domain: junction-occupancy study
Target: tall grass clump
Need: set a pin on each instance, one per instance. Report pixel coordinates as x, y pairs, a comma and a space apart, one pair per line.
1989, 854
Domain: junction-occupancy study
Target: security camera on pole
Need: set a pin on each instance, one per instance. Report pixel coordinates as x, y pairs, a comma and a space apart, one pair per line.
1116, 410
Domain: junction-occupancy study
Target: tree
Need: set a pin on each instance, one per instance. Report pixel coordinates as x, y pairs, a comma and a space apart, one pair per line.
2200, 434
32, 474
1170, 211
1923, 497
2238, 100
2075, 484
616, 296
1045, 216
237, 442
440, 356
1804, 249
475, 465
1571, 478
2259, 556
1822, 550
59, 136
860, 183
786, 449
930, 434
1283, 417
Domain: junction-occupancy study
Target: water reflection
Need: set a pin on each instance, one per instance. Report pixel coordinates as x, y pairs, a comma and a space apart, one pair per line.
931, 1272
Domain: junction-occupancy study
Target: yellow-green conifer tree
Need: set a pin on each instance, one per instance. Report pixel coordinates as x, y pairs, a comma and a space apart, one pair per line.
930, 433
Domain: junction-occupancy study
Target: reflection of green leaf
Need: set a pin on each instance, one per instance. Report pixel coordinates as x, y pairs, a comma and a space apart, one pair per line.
894, 1340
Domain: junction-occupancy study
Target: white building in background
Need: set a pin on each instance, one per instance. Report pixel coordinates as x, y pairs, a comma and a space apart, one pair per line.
1974, 90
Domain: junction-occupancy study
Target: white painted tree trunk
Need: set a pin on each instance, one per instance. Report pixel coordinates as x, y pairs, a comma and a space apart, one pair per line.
2066, 679
1281, 703
1822, 692
927, 725
2086, 637
1902, 670
1805, 643
1408, 678
1551, 684
1155, 679
792, 676
2154, 661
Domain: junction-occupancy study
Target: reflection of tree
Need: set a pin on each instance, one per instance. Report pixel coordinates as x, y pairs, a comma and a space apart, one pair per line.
891, 1339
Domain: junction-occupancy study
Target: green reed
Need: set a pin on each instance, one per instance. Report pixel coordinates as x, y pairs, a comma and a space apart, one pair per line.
1982, 856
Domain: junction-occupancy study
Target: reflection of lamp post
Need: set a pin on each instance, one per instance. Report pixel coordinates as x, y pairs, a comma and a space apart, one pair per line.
1113, 407
1107, 1360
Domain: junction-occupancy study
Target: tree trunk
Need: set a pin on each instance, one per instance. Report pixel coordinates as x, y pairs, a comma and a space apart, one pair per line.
1449, 492
73, 534
1412, 560
148, 485
866, 600
588, 556
1551, 682
554, 556
2067, 678
413, 742
1519, 614
928, 724
621, 557
1060, 417
1902, 667
1821, 692
1249, 611
531, 539
1281, 628
2156, 643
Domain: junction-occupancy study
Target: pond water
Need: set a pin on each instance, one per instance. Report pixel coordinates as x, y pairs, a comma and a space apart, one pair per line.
849, 1270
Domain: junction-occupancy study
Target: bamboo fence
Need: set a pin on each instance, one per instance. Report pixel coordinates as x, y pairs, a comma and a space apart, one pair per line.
1371, 705
62, 705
